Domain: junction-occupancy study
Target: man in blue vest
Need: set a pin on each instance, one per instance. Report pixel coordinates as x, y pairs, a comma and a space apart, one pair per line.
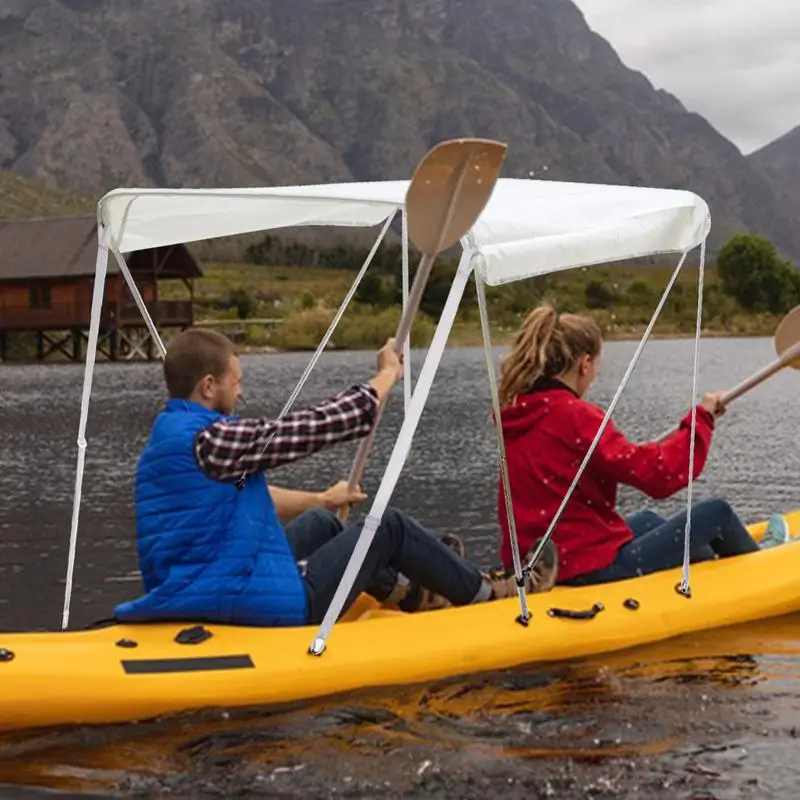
211, 547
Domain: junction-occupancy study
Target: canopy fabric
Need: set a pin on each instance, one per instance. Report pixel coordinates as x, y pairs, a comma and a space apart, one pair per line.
528, 227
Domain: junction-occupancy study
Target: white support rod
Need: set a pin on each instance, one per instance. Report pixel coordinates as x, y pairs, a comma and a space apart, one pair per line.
338, 316
402, 446
546, 538
687, 538
137, 297
100, 270
332, 327
406, 345
501, 447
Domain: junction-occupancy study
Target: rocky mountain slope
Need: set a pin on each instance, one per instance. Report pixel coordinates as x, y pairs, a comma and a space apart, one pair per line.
781, 158
100, 93
20, 197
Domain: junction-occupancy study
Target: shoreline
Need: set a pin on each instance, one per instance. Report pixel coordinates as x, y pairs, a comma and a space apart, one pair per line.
503, 341
462, 339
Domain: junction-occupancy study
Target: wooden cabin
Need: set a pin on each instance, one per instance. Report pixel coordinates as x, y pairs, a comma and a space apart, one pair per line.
47, 271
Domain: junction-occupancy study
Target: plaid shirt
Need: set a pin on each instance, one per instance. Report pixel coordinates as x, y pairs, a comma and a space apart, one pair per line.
228, 449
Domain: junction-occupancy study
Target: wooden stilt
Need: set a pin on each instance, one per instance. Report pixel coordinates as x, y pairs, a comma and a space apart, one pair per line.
77, 345
113, 344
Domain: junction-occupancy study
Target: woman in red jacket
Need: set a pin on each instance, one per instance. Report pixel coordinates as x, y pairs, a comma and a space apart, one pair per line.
548, 428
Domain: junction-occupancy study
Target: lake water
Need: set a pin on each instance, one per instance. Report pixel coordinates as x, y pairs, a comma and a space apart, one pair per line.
449, 483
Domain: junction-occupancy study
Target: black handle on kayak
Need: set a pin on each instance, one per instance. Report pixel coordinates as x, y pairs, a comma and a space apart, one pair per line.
566, 613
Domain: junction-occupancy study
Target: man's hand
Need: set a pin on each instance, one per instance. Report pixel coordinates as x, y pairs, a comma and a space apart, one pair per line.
339, 495
389, 360
390, 368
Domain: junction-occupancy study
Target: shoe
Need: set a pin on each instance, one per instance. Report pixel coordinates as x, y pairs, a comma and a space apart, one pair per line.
777, 532
418, 598
455, 543
399, 591
543, 576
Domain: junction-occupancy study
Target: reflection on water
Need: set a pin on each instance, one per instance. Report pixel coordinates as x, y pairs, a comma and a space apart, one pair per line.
668, 702
662, 710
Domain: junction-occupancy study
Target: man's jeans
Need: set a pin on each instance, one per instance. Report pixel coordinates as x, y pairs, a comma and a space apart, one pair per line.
401, 544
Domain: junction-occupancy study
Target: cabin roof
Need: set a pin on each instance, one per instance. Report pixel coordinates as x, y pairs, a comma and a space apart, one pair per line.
66, 247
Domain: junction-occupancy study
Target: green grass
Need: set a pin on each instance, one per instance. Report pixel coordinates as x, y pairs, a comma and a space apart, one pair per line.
20, 197
305, 300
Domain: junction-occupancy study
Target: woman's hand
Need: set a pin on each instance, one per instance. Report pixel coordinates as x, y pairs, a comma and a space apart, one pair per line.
712, 402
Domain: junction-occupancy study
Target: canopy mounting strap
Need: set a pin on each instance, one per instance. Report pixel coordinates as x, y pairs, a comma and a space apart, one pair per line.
480, 288
400, 451
140, 304
326, 338
100, 271
685, 588
548, 534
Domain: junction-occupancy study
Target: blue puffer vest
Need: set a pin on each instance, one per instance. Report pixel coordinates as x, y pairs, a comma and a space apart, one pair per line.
207, 551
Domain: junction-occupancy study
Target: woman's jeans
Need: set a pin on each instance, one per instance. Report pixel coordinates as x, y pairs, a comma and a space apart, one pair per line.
401, 544
658, 543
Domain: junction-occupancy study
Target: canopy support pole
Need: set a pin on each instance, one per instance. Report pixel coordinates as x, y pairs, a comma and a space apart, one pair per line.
100, 271
684, 587
400, 452
501, 448
406, 345
336, 319
620, 389
137, 297
326, 338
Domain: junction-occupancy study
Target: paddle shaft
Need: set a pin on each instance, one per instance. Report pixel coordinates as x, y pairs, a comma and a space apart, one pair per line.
786, 358
402, 333
788, 355
450, 188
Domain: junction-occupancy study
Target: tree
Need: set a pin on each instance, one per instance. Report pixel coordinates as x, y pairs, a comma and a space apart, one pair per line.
372, 290
640, 293
751, 272
243, 302
436, 290
599, 295
307, 301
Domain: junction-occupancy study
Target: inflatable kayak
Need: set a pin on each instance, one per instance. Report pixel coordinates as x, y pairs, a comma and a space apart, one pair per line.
133, 672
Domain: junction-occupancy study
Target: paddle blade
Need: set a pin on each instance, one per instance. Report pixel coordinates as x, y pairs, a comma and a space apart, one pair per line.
450, 188
787, 335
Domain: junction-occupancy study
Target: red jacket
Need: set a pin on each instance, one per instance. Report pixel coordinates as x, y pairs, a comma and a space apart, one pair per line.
547, 435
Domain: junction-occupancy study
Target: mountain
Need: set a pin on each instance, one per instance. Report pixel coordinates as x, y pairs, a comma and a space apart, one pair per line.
100, 93
781, 158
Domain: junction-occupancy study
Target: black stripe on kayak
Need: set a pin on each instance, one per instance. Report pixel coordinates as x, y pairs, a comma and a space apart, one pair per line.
145, 666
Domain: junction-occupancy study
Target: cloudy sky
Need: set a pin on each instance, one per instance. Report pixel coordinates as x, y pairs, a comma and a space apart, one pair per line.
736, 62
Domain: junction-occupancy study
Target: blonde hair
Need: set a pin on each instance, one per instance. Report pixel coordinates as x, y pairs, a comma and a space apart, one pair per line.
547, 345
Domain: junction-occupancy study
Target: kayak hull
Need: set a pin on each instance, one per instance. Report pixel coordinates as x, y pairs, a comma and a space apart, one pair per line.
124, 673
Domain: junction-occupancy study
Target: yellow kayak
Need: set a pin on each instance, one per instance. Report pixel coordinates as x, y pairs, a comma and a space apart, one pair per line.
133, 672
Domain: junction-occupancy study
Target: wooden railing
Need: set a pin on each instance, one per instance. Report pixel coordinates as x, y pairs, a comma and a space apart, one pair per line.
163, 312
53, 318
63, 316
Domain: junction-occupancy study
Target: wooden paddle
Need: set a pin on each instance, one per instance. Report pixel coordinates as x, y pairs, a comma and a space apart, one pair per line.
787, 346
450, 188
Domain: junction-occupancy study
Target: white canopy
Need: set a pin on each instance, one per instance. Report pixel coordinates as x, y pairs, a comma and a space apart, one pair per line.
528, 227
